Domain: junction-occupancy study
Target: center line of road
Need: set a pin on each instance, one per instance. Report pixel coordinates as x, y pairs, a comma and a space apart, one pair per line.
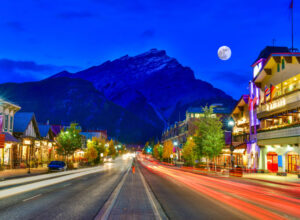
32, 197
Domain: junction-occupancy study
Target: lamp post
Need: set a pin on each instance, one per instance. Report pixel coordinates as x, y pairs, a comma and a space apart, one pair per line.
175, 143
231, 124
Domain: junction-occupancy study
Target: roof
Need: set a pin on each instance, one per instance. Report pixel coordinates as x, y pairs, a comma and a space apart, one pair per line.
241, 102
10, 138
217, 110
10, 104
21, 121
268, 50
44, 130
56, 129
90, 135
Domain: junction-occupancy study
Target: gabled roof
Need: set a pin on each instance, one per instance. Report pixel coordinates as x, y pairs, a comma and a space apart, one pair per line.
268, 50
22, 120
242, 102
44, 130
56, 129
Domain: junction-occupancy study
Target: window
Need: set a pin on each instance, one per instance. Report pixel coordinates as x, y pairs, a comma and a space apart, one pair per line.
282, 64
278, 67
11, 123
6, 123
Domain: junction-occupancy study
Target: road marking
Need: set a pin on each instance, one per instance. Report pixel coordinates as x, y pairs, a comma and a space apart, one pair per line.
32, 186
158, 212
109, 204
32, 197
67, 184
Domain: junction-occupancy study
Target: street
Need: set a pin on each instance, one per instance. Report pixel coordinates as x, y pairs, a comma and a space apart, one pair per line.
185, 195
154, 191
79, 198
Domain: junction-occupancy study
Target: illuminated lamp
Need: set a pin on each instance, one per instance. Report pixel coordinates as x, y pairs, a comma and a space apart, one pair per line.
26, 142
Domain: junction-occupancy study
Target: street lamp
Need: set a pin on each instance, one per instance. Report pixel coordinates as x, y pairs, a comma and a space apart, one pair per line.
175, 143
231, 124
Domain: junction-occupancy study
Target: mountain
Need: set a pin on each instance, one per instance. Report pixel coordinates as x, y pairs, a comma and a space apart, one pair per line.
134, 98
64, 100
152, 85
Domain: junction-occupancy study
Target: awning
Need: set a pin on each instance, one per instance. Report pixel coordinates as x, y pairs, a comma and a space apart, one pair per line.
10, 138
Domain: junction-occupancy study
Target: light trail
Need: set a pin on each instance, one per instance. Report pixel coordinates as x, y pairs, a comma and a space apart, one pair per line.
260, 202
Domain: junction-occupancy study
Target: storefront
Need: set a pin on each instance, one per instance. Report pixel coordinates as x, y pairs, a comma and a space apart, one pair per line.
280, 158
8, 153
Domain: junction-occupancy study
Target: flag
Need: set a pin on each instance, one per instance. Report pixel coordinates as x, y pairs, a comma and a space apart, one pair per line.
272, 90
254, 102
250, 103
267, 91
292, 4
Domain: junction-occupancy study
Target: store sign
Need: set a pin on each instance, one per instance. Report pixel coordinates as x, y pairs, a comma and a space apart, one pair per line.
2, 140
276, 104
27, 142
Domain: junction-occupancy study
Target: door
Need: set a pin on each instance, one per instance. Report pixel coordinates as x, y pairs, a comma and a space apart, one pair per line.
293, 161
272, 162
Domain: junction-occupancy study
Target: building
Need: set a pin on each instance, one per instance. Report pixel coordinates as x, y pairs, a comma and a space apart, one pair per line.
90, 134
27, 131
240, 134
180, 131
8, 152
46, 145
276, 74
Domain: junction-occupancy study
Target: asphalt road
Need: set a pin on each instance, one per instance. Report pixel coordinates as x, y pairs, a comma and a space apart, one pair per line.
181, 202
185, 195
80, 198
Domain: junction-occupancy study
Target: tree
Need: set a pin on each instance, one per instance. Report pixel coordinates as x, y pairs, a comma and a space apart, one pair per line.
209, 138
69, 141
167, 149
157, 151
188, 151
111, 149
91, 154
99, 145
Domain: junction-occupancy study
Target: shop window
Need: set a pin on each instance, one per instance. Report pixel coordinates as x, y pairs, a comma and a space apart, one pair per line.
282, 64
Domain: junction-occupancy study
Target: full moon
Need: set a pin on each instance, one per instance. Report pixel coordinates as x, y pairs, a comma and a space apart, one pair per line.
224, 53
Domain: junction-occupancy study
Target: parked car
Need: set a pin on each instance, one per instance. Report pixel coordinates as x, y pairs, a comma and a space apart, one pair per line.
57, 166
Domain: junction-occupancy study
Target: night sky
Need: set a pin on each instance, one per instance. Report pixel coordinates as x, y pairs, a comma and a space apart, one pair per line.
39, 38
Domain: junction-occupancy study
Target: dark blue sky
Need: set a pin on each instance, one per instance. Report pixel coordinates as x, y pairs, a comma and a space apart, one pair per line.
39, 37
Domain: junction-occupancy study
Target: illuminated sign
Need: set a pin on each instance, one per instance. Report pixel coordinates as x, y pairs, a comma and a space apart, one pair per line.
258, 67
276, 104
27, 142
241, 121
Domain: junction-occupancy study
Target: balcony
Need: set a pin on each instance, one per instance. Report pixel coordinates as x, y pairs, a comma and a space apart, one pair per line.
240, 139
281, 103
282, 132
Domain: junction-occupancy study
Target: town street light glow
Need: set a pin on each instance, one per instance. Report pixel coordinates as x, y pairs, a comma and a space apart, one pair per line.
231, 123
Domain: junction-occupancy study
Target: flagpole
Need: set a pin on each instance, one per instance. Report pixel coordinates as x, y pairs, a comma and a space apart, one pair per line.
292, 8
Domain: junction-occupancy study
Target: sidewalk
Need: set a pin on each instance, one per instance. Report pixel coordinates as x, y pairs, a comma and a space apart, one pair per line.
272, 177
16, 173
